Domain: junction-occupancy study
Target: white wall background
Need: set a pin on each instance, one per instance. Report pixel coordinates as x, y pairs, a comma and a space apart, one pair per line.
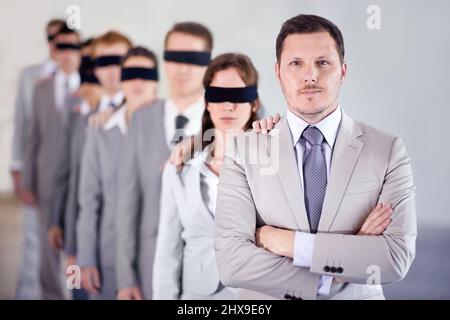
398, 75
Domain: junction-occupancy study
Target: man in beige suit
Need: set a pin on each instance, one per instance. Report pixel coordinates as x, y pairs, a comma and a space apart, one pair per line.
323, 207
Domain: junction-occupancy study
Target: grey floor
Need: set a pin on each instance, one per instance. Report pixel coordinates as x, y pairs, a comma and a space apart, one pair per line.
428, 278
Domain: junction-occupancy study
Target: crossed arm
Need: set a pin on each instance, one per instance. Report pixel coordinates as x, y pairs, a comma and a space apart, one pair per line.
386, 239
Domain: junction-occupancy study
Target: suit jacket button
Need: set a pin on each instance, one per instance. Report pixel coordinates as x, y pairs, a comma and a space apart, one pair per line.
287, 296
340, 270
326, 269
333, 270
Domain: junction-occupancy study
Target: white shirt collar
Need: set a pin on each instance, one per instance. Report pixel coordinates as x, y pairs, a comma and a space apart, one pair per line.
118, 119
199, 161
48, 68
192, 111
328, 126
85, 108
200, 158
194, 114
73, 79
195, 110
60, 94
106, 100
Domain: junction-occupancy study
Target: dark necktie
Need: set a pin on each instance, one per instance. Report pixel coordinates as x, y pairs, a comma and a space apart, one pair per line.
315, 176
180, 123
66, 92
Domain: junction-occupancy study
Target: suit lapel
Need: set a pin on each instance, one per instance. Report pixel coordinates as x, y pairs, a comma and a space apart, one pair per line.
157, 132
288, 172
199, 196
159, 124
346, 151
52, 95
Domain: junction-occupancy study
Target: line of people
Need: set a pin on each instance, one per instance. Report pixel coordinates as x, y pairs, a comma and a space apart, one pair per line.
91, 163
91, 172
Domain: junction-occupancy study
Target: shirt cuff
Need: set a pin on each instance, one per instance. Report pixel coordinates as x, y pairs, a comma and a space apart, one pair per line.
303, 249
325, 285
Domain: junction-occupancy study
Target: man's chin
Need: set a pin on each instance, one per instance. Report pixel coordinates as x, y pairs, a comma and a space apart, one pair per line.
311, 111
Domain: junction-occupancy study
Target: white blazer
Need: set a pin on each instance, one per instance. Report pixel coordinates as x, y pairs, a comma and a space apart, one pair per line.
185, 261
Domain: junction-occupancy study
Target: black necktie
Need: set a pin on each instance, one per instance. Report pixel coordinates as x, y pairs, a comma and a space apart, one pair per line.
180, 123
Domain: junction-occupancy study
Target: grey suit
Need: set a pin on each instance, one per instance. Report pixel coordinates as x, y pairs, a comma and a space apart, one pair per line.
98, 193
367, 167
24, 101
185, 262
65, 200
40, 159
144, 155
28, 286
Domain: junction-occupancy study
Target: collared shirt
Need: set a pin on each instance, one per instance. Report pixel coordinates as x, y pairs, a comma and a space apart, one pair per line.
208, 179
65, 85
48, 68
118, 119
85, 108
107, 102
329, 126
194, 113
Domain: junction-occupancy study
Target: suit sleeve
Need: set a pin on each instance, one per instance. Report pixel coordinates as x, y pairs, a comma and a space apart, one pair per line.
169, 245
71, 207
91, 201
377, 259
128, 212
29, 170
61, 177
20, 114
240, 262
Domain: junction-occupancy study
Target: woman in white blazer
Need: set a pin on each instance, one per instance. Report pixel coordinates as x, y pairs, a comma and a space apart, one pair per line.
96, 227
185, 264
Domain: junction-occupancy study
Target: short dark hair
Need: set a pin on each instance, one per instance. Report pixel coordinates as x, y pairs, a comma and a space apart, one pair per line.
306, 23
66, 30
194, 29
54, 22
140, 52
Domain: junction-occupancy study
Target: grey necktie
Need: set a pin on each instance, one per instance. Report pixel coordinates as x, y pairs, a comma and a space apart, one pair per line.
314, 176
66, 92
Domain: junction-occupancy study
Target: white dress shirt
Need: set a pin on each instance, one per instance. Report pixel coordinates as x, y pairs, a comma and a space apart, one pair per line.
48, 68
106, 101
193, 113
304, 242
85, 108
118, 119
208, 180
65, 85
